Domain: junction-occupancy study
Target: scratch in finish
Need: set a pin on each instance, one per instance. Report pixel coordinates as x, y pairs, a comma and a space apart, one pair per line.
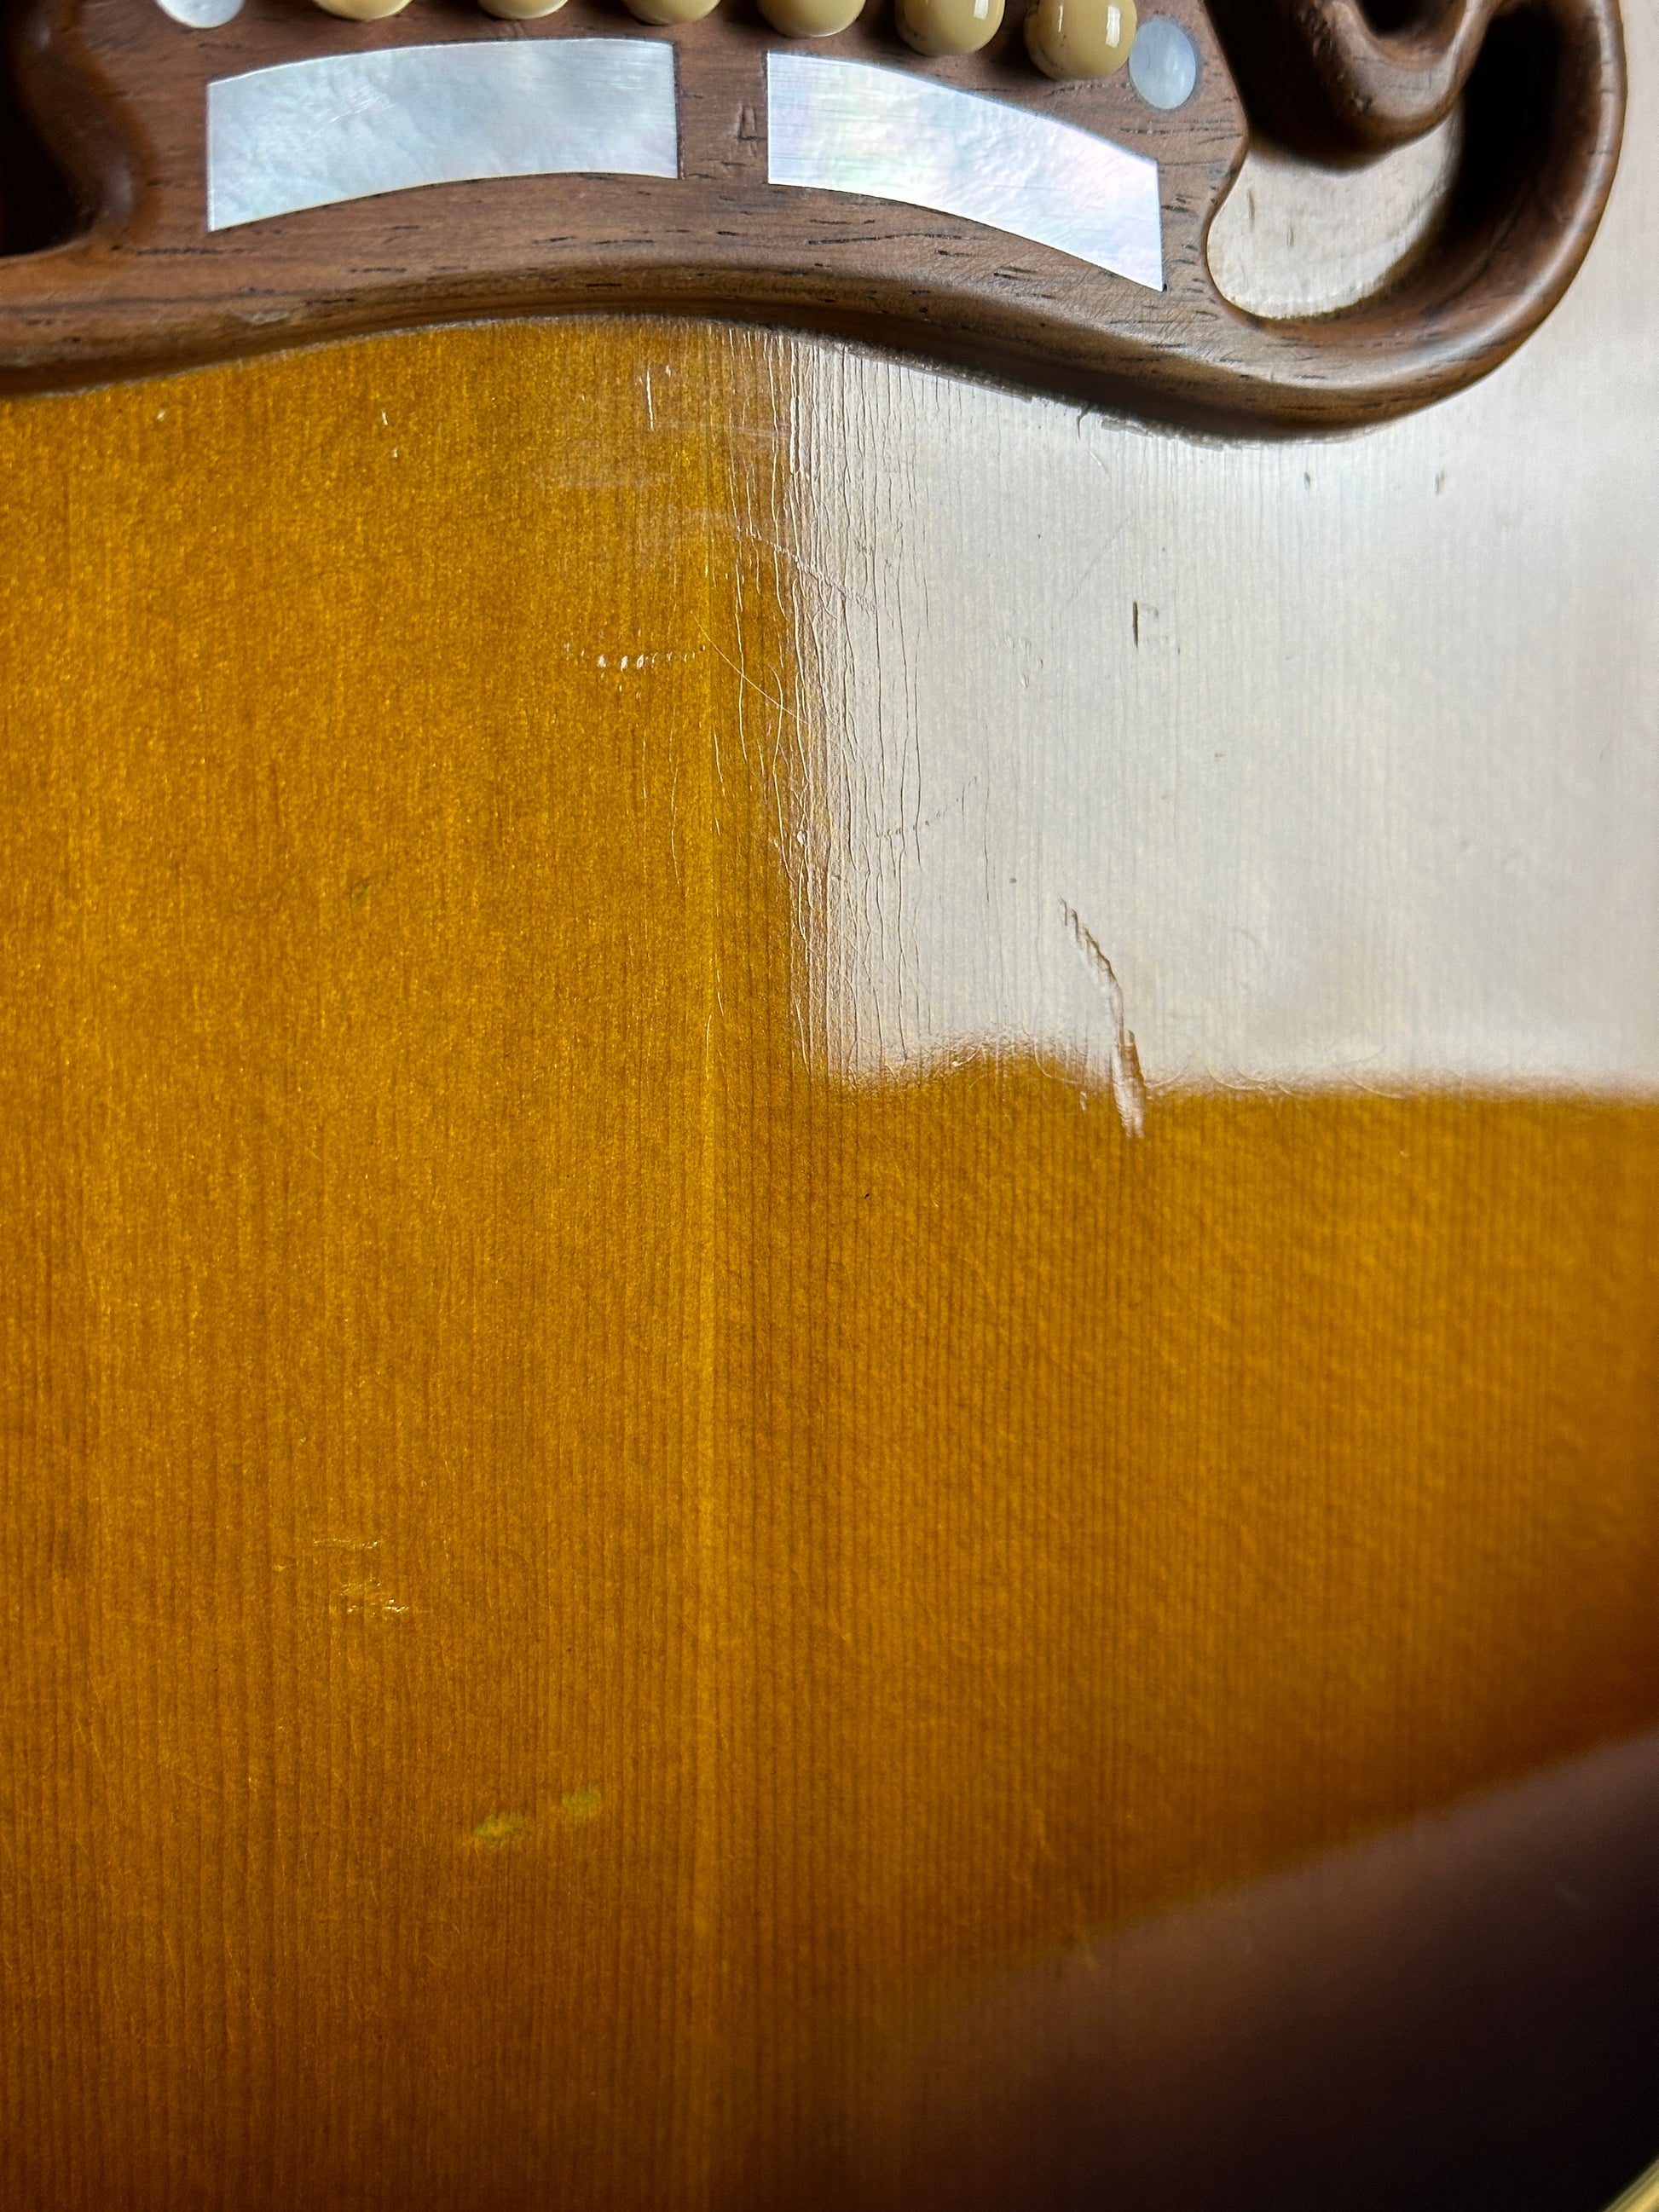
1128, 1085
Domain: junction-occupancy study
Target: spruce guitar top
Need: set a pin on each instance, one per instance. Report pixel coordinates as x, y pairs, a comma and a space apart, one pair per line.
828, 1198
1029, 194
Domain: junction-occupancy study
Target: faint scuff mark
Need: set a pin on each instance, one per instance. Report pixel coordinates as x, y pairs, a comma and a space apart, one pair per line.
581, 1804
372, 1597
498, 1831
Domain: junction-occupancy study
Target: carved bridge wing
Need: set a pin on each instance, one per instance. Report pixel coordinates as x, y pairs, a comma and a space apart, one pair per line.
1027, 194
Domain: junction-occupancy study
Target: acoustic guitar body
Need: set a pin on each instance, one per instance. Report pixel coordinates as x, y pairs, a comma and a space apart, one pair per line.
829, 1317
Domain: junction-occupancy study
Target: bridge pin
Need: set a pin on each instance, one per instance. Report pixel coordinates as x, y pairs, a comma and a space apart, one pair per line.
1080, 38
810, 19
948, 27
671, 11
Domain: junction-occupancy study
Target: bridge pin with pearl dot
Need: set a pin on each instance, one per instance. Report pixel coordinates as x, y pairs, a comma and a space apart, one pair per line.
1080, 38
948, 27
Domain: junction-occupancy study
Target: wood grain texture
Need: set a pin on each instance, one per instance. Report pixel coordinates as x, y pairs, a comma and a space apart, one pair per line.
1347, 75
121, 91
566, 1569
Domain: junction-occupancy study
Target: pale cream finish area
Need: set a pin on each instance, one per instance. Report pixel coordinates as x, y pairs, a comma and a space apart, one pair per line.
1345, 753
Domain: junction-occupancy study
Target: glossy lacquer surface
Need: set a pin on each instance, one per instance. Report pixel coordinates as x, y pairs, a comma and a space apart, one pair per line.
829, 1366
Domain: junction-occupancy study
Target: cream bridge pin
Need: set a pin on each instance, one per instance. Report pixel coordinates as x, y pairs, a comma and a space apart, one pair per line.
1018, 187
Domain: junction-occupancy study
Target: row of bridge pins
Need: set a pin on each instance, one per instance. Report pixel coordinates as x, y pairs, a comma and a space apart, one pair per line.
1065, 38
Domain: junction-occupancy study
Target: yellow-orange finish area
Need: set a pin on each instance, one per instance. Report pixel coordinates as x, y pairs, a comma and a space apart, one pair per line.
559, 1563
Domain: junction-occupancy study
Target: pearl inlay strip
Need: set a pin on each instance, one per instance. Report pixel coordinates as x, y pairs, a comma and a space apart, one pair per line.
852, 127
344, 127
